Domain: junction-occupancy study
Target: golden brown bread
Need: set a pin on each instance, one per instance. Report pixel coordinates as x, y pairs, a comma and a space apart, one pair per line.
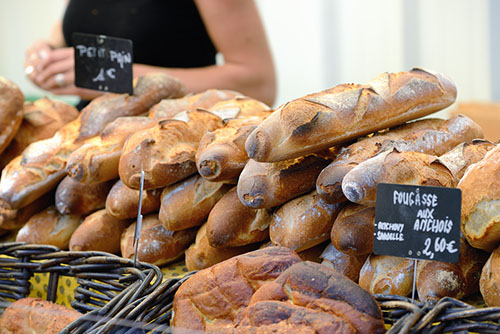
231, 224
352, 231
387, 275
320, 288
303, 222
165, 152
432, 136
73, 197
187, 203
201, 255
11, 111
344, 112
489, 280
348, 265
123, 202
157, 245
415, 168
98, 232
480, 187
42, 164
213, 298
41, 119
49, 227
15, 219
168, 108
436, 280
266, 185
36, 316
97, 160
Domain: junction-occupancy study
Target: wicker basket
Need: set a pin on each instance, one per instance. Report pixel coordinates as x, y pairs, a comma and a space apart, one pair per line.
114, 295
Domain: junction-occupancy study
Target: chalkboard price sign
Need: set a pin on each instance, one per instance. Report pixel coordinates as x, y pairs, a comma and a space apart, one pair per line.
103, 63
419, 222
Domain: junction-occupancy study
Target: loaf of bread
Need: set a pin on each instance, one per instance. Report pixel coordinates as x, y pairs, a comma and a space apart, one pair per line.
168, 108
387, 275
231, 224
49, 227
392, 166
73, 197
480, 187
11, 111
344, 112
123, 202
490, 278
97, 160
41, 120
166, 152
348, 265
213, 298
432, 136
36, 316
269, 184
303, 222
352, 231
157, 245
43, 163
15, 219
201, 255
317, 287
436, 280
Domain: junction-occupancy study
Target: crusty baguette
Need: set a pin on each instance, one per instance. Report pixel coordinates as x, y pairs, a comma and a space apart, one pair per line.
36, 316
73, 197
187, 203
11, 111
43, 163
157, 245
490, 278
344, 112
392, 166
97, 160
303, 222
15, 219
98, 232
123, 202
431, 136
387, 275
166, 152
436, 280
212, 298
231, 224
269, 184
49, 227
481, 202
348, 265
41, 119
352, 231
168, 108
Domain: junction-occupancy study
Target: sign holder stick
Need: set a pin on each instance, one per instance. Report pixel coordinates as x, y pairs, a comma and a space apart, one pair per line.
414, 281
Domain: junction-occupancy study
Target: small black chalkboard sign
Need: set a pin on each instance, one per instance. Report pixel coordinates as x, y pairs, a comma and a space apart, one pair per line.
418, 222
103, 63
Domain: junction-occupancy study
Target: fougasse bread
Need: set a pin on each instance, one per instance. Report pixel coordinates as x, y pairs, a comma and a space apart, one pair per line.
344, 112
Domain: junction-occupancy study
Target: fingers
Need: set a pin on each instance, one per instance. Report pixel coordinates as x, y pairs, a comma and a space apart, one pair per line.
36, 58
51, 77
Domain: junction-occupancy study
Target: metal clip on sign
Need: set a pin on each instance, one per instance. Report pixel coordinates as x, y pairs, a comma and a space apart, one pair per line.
138, 225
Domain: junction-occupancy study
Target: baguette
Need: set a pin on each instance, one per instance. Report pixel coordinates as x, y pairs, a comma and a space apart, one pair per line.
489, 280
431, 136
187, 203
166, 152
303, 222
344, 112
41, 119
231, 224
123, 202
15, 219
360, 184
481, 202
97, 160
266, 185
11, 111
73, 197
43, 163
347, 265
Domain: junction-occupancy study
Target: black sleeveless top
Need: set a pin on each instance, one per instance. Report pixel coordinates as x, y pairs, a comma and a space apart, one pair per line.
168, 33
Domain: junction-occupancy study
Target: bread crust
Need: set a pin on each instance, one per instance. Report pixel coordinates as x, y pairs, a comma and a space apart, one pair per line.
11, 111
123, 202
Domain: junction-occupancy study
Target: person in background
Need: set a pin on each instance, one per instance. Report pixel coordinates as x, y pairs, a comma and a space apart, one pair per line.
180, 38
